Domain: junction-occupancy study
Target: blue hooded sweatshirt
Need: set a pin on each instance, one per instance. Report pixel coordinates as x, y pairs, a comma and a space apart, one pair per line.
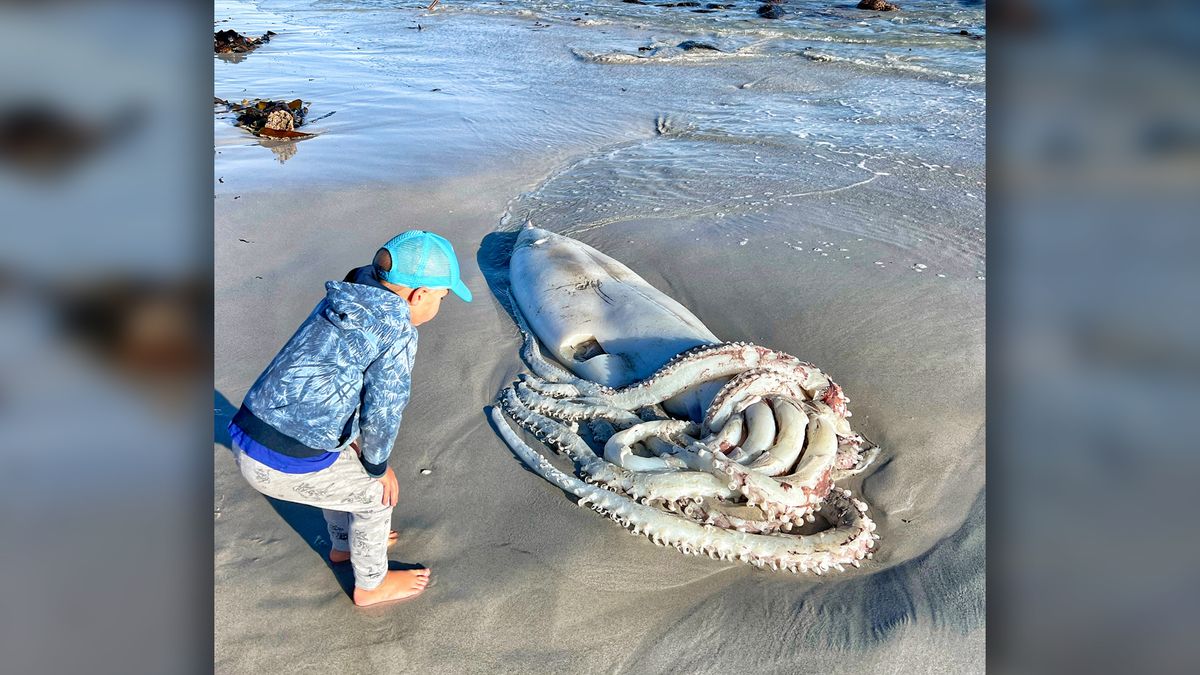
345, 373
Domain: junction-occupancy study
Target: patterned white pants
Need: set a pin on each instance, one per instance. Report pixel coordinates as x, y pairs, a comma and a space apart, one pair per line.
351, 501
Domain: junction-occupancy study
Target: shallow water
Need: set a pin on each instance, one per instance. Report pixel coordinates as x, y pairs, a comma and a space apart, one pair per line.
829, 117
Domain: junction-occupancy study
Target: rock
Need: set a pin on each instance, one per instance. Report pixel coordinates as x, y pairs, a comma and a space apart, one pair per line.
878, 6
771, 11
281, 120
692, 45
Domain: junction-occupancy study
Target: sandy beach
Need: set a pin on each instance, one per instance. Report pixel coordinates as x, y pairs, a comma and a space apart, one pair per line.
829, 206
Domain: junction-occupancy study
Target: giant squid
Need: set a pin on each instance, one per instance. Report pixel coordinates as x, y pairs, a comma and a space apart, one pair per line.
726, 449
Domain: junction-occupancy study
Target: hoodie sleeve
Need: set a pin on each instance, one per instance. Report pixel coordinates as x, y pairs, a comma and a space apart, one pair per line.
386, 386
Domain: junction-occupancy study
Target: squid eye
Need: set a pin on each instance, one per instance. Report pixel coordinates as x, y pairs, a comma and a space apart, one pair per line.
589, 348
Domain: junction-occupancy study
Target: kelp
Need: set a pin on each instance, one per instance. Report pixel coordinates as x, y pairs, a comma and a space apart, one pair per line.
233, 42
269, 119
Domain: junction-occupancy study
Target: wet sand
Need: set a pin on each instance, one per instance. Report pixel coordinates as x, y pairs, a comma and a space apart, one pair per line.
528, 581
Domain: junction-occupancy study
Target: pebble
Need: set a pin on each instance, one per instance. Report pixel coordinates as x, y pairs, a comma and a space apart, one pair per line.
426, 472
941, 276
879, 262
743, 242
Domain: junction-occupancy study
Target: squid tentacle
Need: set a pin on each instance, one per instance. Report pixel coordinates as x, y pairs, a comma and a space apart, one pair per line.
723, 495
847, 543
665, 487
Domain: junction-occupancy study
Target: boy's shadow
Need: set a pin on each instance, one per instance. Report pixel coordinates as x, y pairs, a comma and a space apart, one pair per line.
307, 521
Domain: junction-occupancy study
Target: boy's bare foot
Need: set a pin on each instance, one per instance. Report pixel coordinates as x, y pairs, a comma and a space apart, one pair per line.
336, 556
397, 585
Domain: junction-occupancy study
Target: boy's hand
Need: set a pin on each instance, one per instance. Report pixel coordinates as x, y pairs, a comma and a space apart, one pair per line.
391, 487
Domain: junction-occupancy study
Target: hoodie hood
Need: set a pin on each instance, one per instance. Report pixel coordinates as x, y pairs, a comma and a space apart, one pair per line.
361, 306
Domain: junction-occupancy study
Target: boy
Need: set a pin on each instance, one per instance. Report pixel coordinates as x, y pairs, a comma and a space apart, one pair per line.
341, 382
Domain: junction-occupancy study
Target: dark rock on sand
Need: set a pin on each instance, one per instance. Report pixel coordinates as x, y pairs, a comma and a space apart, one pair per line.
233, 42
878, 6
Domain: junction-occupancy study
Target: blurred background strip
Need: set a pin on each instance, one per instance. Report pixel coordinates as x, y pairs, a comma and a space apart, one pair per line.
105, 340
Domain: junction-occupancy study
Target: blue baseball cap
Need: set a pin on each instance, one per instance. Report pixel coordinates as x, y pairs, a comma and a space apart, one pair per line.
421, 258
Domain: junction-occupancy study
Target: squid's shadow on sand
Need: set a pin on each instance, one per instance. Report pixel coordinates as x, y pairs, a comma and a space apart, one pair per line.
487, 413
307, 521
493, 257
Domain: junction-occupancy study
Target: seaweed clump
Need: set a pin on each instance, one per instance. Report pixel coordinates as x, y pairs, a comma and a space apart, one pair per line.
233, 42
270, 119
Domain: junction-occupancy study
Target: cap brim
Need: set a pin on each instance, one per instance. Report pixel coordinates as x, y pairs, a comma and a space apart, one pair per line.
460, 289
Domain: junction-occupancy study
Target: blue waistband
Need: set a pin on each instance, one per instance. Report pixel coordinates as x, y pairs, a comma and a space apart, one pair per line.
278, 461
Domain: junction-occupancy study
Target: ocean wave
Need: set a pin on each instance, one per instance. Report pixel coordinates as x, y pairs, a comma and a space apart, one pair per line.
687, 50
893, 64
